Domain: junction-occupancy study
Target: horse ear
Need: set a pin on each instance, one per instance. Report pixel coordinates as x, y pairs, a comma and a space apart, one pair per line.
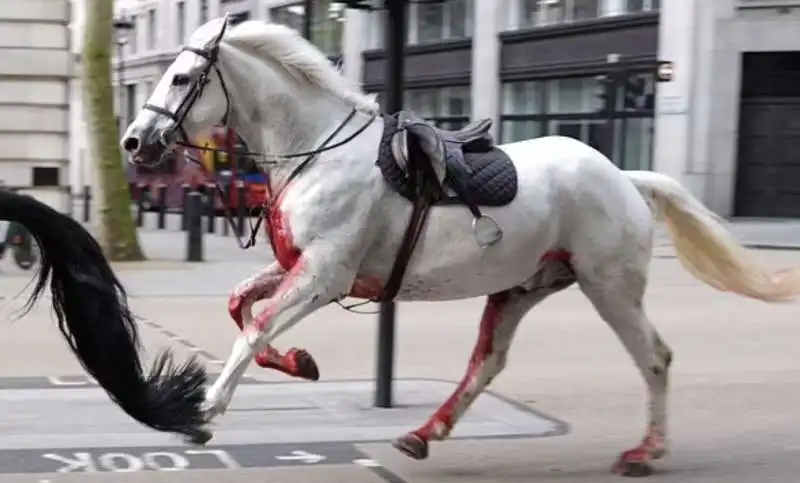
222, 30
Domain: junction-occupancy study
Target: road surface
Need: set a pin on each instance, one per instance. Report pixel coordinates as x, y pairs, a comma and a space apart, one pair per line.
568, 402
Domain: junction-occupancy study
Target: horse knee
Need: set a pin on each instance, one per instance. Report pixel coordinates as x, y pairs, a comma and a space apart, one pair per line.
664, 354
235, 309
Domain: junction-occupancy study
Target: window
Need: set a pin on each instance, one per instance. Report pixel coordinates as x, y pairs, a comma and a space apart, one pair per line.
151, 29
636, 6
130, 104
203, 11
45, 176
523, 102
133, 35
327, 24
575, 107
238, 17
180, 13
541, 13
447, 107
438, 21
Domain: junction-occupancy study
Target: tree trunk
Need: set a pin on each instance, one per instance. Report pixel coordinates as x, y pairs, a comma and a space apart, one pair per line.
117, 232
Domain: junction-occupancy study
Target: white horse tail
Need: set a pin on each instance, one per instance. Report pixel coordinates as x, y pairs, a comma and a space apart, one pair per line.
706, 248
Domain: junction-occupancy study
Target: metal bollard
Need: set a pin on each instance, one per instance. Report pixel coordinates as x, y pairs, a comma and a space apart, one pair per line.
194, 231
211, 198
87, 203
226, 193
70, 201
185, 188
241, 207
161, 199
140, 205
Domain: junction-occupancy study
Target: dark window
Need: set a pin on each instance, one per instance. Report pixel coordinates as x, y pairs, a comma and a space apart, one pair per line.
327, 24
237, 18
575, 107
203, 11
130, 107
45, 176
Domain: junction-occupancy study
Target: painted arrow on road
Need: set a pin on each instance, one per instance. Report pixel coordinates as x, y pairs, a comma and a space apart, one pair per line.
303, 456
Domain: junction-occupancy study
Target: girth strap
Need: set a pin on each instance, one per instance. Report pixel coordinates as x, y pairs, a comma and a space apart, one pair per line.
422, 180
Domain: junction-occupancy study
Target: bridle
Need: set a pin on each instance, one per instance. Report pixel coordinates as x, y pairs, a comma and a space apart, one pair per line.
196, 87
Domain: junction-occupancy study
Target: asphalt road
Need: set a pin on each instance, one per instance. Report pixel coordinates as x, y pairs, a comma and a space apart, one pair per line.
568, 403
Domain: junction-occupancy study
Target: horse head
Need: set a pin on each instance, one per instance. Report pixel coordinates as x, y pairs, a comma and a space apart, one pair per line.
264, 80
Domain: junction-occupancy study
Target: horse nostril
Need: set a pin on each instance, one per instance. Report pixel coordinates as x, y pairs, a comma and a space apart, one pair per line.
131, 144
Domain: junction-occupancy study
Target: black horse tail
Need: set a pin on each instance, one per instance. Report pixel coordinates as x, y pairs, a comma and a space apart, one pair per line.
92, 310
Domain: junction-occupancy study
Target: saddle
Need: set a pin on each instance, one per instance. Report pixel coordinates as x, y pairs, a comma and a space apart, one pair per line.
428, 166
449, 154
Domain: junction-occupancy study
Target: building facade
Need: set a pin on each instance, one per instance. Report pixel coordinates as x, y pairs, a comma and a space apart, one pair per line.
728, 123
722, 122
35, 71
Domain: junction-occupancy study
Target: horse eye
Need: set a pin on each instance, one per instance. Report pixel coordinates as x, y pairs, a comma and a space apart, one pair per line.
180, 80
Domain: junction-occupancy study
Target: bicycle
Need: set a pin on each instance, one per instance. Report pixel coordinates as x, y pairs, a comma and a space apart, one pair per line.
21, 244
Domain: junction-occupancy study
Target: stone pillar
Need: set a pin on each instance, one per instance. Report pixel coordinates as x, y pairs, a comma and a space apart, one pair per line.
35, 75
355, 42
485, 78
673, 117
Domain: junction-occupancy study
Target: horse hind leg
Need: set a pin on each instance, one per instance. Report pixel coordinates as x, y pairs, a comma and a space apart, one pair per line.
619, 303
501, 316
295, 362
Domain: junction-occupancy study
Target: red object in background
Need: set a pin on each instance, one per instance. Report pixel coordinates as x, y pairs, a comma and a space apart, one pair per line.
212, 167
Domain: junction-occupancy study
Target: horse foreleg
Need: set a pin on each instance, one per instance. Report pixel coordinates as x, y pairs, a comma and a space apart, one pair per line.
501, 316
311, 283
295, 362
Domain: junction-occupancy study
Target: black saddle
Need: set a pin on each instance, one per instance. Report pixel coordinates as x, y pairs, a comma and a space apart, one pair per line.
468, 167
430, 166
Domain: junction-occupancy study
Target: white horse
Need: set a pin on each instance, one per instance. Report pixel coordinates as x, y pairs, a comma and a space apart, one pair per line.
336, 224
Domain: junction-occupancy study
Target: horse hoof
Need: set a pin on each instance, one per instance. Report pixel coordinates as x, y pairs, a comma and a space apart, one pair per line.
627, 465
636, 469
199, 437
412, 446
305, 364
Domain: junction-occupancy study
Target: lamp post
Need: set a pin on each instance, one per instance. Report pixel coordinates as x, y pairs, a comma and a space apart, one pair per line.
396, 28
123, 27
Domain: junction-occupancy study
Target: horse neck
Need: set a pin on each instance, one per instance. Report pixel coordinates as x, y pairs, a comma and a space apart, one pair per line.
286, 117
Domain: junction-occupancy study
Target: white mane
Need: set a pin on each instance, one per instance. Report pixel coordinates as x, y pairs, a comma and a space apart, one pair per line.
300, 58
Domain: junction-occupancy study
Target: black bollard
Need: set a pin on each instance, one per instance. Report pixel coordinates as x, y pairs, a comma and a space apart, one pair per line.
185, 188
241, 207
140, 205
70, 201
226, 194
161, 199
194, 231
87, 203
211, 198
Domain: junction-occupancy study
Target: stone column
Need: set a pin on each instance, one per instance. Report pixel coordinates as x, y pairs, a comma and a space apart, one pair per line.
673, 117
485, 78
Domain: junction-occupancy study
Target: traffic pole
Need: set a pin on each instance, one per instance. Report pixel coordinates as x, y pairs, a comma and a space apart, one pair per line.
396, 25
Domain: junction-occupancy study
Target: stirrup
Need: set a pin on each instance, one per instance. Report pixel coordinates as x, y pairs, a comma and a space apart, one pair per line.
487, 231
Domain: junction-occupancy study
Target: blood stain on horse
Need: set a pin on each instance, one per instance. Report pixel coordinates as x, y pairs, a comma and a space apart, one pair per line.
557, 256
280, 234
366, 287
442, 421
